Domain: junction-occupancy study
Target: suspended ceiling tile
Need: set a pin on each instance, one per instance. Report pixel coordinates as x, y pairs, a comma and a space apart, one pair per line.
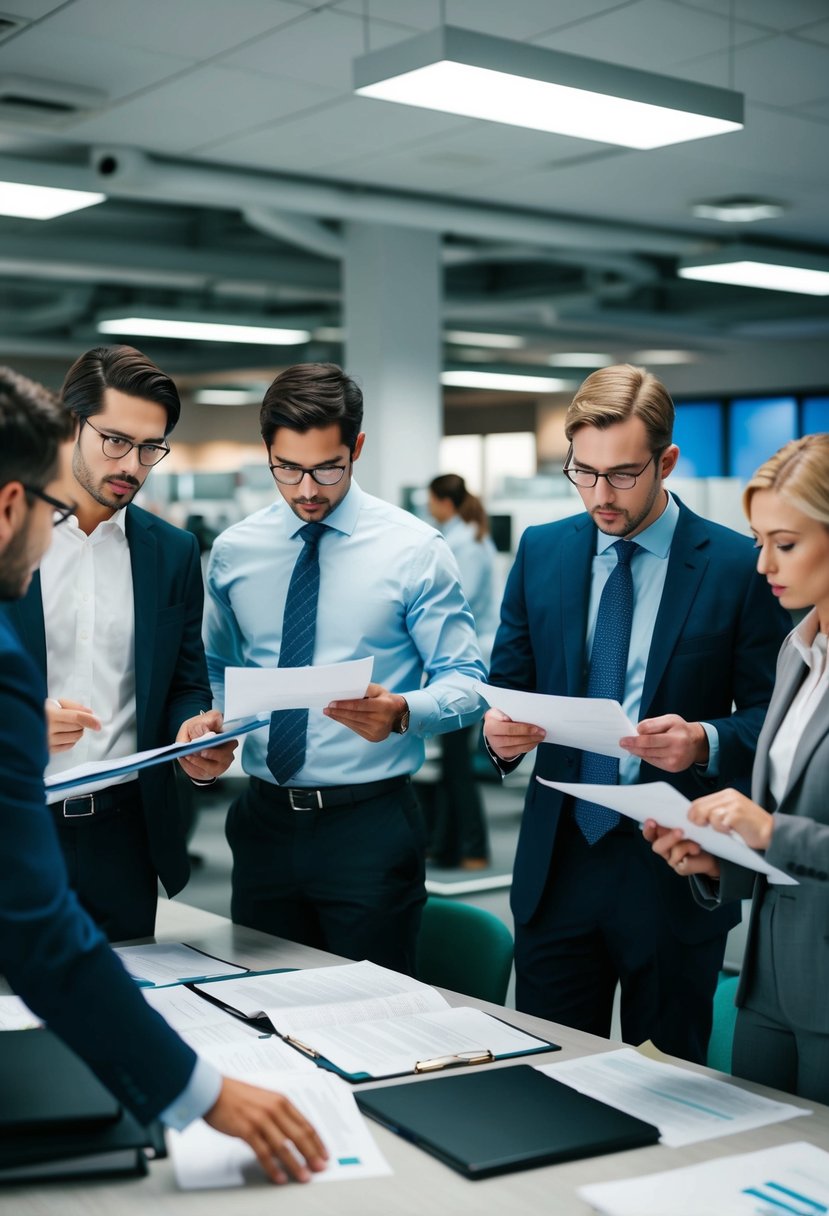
780, 71
651, 35
209, 104
194, 29
519, 19
815, 33
30, 10
778, 15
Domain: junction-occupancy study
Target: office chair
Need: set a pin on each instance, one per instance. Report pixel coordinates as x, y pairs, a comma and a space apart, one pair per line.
464, 948
722, 1031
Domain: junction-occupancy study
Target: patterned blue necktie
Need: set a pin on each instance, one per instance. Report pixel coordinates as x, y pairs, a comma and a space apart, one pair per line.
606, 678
286, 744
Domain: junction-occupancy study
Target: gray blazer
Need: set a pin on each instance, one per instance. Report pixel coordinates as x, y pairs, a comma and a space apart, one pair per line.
800, 846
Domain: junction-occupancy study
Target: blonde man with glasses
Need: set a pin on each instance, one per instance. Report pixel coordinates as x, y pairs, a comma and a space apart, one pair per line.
113, 621
640, 600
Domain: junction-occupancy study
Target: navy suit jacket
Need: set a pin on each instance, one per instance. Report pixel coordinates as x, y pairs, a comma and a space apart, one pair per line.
51, 952
171, 682
716, 638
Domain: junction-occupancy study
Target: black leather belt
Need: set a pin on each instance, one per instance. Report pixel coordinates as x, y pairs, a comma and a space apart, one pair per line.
98, 805
304, 799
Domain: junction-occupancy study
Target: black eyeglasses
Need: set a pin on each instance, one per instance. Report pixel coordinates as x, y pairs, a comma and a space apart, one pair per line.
585, 479
62, 510
290, 475
116, 448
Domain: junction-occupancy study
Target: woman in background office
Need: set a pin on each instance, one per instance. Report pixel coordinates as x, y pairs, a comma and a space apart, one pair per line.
460, 835
782, 1032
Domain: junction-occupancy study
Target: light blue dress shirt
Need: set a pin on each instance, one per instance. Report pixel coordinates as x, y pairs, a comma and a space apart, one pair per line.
649, 569
476, 562
389, 587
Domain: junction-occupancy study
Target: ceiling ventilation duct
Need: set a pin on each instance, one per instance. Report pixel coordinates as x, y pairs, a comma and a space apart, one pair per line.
44, 103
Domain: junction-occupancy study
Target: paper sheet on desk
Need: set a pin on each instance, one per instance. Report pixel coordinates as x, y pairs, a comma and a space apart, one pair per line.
592, 724
205, 1158
257, 690
787, 1179
158, 964
660, 801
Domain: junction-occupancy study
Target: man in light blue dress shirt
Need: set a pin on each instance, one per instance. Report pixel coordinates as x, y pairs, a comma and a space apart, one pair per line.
333, 856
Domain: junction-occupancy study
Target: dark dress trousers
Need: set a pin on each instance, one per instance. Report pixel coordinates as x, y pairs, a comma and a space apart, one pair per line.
115, 859
52, 954
587, 917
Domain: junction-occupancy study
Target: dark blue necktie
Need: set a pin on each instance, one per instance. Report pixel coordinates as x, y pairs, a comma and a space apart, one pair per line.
286, 744
606, 678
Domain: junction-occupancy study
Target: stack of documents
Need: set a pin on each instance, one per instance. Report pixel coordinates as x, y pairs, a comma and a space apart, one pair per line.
368, 1022
161, 963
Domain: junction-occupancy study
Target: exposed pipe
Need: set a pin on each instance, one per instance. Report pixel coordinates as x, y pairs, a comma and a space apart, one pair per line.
298, 230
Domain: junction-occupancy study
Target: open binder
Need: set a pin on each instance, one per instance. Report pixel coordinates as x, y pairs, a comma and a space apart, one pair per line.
367, 1023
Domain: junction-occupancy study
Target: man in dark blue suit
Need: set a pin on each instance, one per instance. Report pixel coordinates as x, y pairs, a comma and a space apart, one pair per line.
113, 621
52, 954
592, 906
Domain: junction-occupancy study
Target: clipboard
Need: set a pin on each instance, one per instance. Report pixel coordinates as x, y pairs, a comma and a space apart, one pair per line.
131, 764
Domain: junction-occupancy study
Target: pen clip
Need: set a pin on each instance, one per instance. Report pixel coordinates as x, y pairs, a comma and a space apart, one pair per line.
459, 1059
303, 1047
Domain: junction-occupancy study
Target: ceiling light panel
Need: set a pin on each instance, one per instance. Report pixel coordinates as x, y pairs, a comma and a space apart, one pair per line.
43, 202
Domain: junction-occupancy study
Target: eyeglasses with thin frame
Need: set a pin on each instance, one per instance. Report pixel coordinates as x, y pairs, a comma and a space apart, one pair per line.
291, 475
585, 479
115, 447
62, 510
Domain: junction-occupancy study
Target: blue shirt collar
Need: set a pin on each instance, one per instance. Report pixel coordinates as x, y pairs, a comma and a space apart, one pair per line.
656, 538
342, 519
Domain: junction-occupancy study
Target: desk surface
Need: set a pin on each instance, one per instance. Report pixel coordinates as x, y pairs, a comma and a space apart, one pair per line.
419, 1183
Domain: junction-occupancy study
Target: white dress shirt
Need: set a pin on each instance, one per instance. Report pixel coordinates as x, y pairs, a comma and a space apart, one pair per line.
89, 618
811, 646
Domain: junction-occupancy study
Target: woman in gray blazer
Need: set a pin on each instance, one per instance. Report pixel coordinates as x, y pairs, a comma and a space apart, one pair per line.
782, 1033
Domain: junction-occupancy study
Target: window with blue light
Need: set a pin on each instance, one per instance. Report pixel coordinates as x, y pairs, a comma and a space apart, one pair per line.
698, 433
815, 415
757, 427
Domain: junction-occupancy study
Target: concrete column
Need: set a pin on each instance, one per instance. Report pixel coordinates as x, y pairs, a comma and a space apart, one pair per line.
393, 348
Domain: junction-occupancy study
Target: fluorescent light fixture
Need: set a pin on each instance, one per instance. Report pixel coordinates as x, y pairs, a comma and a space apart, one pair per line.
503, 382
574, 358
199, 330
463, 337
738, 210
775, 270
664, 357
43, 202
478, 76
228, 396
329, 333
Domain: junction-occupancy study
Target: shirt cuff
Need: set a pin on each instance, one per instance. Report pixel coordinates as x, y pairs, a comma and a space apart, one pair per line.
712, 768
196, 1099
424, 712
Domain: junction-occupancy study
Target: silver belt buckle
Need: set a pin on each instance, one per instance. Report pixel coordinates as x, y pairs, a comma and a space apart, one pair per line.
305, 795
90, 798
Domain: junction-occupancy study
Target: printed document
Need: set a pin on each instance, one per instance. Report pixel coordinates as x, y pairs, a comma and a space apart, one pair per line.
684, 1105
161, 963
590, 723
788, 1180
204, 1158
261, 690
660, 801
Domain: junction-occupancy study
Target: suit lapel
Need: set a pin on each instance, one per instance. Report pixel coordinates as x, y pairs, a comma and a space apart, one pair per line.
816, 727
686, 566
576, 557
142, 546
787, 682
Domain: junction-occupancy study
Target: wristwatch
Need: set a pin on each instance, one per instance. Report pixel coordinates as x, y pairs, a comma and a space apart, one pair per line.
402, 724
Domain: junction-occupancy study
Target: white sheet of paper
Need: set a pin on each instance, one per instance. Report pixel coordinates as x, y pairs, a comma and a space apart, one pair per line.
15, 1015
252, 1055
186, 1012
161, 963
660, 801
590, 723
786, 1179
383, 1048
686, 1106
258, 690
205, 1158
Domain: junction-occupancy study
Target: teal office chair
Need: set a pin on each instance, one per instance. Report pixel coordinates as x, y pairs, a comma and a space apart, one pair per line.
464, 948
725, 1016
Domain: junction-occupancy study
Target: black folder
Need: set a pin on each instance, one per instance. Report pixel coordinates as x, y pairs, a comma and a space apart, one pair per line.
56, 1118
503, 1119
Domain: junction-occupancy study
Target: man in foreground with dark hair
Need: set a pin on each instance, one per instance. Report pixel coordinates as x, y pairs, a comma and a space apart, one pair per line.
328, 841
114, 623
52, 954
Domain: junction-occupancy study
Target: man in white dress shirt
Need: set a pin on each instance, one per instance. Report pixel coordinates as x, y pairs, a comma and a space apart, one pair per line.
114, 622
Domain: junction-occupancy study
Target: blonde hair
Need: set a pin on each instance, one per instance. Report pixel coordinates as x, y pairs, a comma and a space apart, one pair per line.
614, 394
799, 473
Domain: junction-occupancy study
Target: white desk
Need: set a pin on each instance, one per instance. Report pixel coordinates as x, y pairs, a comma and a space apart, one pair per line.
419, 1184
